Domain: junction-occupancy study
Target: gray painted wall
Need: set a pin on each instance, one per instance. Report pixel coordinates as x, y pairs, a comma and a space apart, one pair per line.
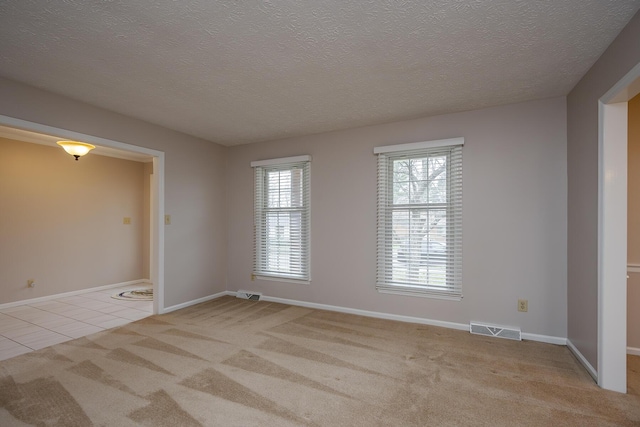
514, 216
582, 167
195, 242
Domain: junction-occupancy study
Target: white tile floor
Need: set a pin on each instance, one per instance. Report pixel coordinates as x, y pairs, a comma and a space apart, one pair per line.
34, 326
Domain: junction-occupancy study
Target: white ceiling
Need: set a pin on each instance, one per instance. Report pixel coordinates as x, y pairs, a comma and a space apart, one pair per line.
237, 72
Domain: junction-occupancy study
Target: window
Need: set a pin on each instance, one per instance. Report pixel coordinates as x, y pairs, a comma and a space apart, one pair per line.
420, 219
281, 219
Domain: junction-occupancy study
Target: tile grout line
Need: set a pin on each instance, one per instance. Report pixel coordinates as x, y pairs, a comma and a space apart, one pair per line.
74, 305
45, 328
80, 323
19, 343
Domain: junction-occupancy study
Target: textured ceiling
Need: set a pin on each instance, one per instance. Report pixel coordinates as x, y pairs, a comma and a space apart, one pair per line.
237, 72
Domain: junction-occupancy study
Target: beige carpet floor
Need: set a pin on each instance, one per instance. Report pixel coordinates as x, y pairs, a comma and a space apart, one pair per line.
233, 362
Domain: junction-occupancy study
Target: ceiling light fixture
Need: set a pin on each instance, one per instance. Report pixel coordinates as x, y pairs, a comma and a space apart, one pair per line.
75, 148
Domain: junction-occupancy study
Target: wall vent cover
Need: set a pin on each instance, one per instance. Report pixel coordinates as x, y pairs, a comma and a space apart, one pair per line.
255, 296
495, 331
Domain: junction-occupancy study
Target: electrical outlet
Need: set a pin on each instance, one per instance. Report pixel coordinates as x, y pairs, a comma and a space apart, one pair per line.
126, 220
523, 305
167, 220
253, 277
31, 283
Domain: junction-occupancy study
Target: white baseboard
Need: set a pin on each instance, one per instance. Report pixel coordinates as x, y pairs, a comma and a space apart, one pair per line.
583, 360
195, 301
544, 338
72, 293
368, 313
633, 351
401, 318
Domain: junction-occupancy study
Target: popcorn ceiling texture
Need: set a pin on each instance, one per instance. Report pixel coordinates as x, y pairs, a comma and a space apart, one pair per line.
236, 72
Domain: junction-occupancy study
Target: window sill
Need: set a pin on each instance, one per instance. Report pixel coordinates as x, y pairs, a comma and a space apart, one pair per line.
422, 294
282, 279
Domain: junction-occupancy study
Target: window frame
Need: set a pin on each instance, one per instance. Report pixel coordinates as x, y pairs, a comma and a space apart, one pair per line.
261, 170
387, 259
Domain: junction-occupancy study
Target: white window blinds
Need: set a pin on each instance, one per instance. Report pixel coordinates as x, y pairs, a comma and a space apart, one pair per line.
282, 218
419, 242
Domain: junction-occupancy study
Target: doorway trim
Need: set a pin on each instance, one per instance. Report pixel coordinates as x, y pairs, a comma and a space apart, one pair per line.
156, 243
612, 231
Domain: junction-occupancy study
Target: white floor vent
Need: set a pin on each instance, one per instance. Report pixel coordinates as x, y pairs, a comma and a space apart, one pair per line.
495, 331
248, 295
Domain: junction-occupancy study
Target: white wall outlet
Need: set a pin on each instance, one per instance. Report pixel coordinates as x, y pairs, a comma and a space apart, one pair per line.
523, 305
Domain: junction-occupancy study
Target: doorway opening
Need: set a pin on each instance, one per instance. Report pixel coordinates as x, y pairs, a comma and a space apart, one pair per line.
156, 191
612, 231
